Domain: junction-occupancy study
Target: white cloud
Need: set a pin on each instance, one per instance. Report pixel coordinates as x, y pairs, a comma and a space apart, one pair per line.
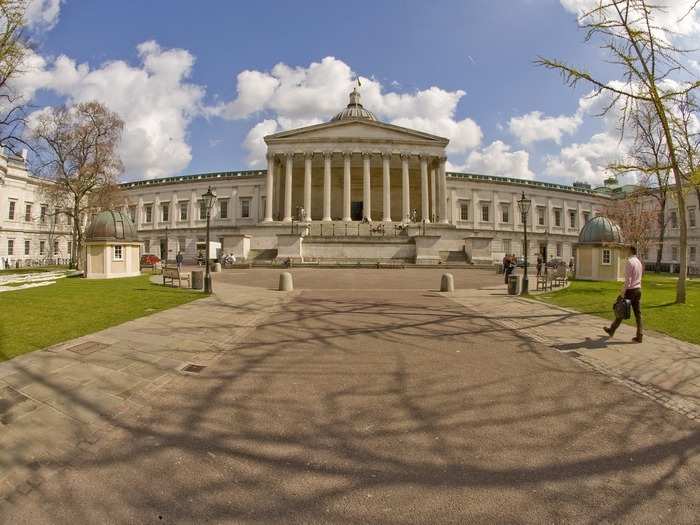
671, 14
498, 159
586, 162
297, 96
42, 14
534, 127
154, 99
254, 142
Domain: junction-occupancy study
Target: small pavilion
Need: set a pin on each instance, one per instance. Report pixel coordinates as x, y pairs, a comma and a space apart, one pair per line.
112, 247
601, 251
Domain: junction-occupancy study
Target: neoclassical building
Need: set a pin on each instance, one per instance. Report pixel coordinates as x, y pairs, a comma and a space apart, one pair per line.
349, 190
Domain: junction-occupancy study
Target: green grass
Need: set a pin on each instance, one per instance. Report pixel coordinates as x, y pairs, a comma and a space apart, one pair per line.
35, 318
33, 269
658, 309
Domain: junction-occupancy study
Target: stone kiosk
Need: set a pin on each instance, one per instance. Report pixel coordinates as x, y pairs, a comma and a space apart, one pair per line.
111, 247
601, 251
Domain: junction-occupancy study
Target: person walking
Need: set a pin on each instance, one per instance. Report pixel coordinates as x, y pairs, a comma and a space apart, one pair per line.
539, 265
632, 290
179, 258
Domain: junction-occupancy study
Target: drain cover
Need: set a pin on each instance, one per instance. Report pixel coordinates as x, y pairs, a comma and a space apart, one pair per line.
87, 347
193, 369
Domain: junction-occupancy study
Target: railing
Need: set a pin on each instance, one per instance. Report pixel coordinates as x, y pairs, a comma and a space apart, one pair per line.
353, 229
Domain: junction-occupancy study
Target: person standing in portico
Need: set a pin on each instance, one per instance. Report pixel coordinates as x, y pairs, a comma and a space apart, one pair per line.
632, 290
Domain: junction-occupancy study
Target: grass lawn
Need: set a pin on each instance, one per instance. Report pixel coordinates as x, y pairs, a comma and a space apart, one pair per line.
658, 311
35, 318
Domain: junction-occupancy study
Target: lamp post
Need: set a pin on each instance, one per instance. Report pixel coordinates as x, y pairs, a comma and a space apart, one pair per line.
166, 246
524, 207
208, 200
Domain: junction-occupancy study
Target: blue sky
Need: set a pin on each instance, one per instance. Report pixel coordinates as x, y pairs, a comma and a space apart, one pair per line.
171, 68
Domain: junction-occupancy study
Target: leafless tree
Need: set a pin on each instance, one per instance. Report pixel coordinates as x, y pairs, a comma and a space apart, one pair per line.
647, 60
637, 215
77, 149
687, 133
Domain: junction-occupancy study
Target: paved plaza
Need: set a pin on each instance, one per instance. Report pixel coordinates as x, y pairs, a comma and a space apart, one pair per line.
364, 396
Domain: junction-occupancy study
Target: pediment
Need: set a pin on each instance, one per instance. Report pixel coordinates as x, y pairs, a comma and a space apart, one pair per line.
349, 130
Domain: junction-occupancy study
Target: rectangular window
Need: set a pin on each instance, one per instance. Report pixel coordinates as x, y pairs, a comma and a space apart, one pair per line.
691, 217
183, 210
11, 210
505, 214
464, 210
132, 214
485, 212
181, 243
10, 247
70, 249
540, 215
586, 217
223, 209
28, 212
559, 249
55, 247
674, 253
557, 217
165, 212
245, 207
147, 246
27, 246
607, 257
692, 254
506, 245
118, 253
572, 218
42, 247
674, 219
202, 210
44, 211
148, 212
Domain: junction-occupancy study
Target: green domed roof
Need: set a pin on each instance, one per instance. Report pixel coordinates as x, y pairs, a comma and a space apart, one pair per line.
111, 226
600, 230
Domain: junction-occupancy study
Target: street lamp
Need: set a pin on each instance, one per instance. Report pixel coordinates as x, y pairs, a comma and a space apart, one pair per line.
208, 199
524, 207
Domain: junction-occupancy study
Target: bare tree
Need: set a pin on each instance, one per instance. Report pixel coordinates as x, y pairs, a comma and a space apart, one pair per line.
637, 216
77, 150
638, 45
687, 133
14, 49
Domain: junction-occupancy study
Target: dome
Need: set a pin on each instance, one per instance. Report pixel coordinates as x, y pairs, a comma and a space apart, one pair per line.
600, 230
354, 110
111, 226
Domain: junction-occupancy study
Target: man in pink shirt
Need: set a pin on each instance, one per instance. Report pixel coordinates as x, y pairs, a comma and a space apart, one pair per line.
632, 290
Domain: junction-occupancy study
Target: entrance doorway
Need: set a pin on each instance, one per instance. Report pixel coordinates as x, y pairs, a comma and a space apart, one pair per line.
543, 251
356, 210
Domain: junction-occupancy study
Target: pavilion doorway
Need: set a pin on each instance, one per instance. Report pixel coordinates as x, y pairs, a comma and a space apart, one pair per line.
356, 210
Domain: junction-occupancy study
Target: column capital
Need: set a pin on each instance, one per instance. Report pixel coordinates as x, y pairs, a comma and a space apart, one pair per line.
442, 159
308, 155
289, 156
386, 155
405, 156
270, 157
327, 154
366, 154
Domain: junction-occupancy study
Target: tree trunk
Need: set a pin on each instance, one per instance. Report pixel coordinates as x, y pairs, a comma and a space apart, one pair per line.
77, 242
662, 235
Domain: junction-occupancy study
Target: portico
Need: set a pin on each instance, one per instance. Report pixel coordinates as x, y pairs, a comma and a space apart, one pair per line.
356, 168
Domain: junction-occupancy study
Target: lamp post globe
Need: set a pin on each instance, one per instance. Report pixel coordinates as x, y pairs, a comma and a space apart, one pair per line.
208, 200
524, 207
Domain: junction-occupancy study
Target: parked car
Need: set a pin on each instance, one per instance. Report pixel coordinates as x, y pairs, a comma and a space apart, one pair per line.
149, 260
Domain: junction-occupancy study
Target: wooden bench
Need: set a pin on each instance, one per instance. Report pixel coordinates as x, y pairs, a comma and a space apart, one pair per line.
172, 273
544, 280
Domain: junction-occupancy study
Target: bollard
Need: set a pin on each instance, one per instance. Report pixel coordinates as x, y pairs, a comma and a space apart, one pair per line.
286, 284
447, 283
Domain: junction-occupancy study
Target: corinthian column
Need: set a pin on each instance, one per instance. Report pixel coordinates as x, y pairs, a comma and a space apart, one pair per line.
327, 186
307, 186
442, 181
347, 213
405, 190
424, 212
288, 188
366, 188
386, 186
433, 198
268, 188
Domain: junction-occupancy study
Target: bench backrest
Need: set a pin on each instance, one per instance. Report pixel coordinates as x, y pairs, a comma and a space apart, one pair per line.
171, 272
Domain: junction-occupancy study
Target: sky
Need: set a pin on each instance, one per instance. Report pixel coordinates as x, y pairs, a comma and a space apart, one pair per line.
198, 84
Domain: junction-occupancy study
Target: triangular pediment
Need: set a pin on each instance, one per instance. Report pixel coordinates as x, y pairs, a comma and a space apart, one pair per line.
359, 129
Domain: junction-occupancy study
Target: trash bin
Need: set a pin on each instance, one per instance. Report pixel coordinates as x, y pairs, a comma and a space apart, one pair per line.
514, 285
197, 279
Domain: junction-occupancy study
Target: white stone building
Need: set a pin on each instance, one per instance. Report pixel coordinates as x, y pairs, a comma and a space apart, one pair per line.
29, 229
358, 189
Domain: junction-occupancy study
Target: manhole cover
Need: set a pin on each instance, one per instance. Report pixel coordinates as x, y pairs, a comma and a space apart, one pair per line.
193, 369
87, 347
